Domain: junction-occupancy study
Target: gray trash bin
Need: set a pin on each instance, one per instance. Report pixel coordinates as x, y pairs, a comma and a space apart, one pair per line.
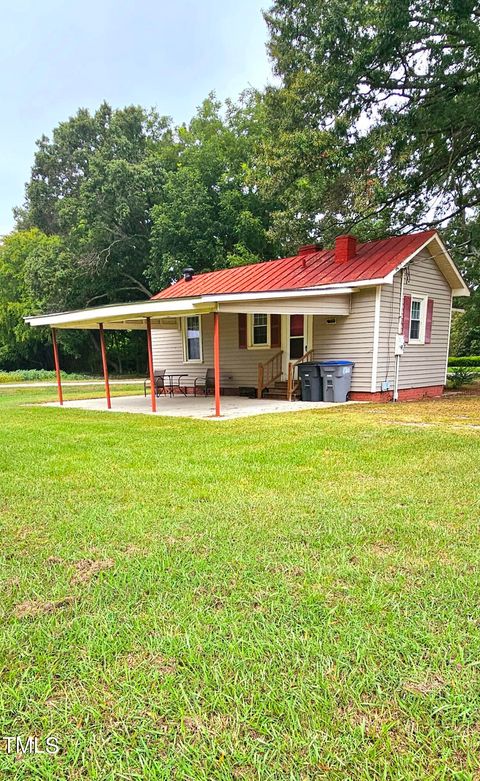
310, 381
336, 379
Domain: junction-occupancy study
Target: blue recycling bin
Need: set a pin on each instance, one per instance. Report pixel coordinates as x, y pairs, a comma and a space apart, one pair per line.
336, 379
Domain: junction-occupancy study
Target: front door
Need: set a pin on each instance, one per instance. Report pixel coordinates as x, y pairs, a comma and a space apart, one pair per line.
298, 338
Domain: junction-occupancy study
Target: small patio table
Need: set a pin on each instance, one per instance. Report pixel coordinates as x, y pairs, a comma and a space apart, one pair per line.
172, 384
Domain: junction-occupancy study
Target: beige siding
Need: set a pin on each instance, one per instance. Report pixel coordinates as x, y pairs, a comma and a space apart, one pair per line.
326, 305
350, 338
421, 364
238, 366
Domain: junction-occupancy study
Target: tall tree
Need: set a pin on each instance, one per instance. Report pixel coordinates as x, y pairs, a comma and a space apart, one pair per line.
385, 95
94, 185
404, 74
211, 215
125, 202
24, 256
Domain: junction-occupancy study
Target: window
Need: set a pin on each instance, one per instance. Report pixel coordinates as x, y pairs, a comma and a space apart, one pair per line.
417, 320
192, 339
260, 330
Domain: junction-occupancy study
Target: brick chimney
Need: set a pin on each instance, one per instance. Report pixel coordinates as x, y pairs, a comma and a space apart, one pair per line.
345, 248
308, 249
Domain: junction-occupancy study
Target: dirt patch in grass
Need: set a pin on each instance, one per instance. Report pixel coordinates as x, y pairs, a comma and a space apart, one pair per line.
11, 584
193, 725
34, 608
86, 569
373, 720
52, 560
382, 548
160, 663
286, 569
134, 550
430, 685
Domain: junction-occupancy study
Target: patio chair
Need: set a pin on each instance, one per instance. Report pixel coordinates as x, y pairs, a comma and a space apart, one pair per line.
159, 379
205, 383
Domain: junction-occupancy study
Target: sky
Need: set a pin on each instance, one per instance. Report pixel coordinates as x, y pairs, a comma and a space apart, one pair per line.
59, 55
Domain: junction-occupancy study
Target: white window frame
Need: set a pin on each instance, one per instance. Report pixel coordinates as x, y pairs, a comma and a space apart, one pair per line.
250, 342
186, 359
423, 318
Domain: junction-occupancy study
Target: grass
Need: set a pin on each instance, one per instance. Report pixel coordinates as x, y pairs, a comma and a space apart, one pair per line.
44, 375
281, 597
33, 375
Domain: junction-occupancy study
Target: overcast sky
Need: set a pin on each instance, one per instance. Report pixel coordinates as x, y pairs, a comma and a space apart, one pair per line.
59, 55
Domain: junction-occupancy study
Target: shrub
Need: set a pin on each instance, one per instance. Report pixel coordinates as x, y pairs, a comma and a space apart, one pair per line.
460, 376
465, 360
33, 375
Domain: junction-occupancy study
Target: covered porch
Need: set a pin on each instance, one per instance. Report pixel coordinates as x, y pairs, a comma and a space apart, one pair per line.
216, 346
197, 407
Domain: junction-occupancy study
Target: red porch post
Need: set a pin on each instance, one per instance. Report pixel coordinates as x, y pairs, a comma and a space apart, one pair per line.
216, 362
57, 366
105, 366
150, 365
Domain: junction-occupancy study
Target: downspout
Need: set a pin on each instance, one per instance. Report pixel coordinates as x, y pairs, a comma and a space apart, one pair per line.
399, 337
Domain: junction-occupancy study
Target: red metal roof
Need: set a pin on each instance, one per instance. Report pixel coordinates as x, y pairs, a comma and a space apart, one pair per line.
373, 260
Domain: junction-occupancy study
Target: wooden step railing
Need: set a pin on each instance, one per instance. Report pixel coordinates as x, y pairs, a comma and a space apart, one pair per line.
292, 381
268, 372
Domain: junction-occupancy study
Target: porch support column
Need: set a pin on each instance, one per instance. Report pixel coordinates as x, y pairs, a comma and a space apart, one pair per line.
105, 366
216, 361
57, 366
150, 365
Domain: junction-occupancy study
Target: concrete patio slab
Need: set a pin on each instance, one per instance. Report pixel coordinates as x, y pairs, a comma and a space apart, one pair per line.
195, 407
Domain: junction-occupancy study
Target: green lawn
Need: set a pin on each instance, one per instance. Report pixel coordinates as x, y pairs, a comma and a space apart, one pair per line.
281, 597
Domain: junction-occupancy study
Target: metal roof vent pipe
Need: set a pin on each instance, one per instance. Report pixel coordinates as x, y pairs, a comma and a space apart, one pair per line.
188, 274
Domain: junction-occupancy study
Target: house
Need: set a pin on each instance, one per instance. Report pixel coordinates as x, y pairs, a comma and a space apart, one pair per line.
386, 305
348, 302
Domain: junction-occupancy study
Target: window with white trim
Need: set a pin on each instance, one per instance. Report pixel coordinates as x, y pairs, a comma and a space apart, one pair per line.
192, 339
417, 319
258, 331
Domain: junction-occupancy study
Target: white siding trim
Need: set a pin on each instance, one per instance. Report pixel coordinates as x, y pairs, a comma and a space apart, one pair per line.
449, 336
186, 359
376, 333
450, 267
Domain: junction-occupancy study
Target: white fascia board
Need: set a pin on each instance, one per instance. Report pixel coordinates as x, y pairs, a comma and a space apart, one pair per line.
139, 310
347, 285
461, 290
296, 293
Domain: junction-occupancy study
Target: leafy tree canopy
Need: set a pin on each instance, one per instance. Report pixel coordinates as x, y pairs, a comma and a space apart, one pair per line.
125, 201
376, 123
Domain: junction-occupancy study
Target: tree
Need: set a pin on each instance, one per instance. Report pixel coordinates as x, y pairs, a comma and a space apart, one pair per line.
94, 185
127, 201
22, 255
376, 122
402, 73
210, 214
